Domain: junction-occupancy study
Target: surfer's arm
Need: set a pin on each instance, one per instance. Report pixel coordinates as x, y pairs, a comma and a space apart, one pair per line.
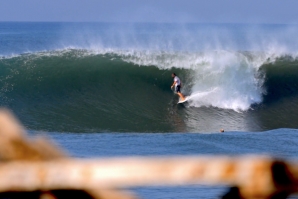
173, 84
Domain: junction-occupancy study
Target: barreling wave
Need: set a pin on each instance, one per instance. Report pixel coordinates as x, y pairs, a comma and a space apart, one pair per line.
113, 90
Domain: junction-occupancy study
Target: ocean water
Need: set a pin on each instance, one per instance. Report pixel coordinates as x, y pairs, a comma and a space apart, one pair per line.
103, 89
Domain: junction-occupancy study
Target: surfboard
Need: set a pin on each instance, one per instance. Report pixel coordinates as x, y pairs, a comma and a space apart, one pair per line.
185, 100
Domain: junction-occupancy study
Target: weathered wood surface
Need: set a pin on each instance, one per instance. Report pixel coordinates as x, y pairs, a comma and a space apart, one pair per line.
15, 145
253, 175
30, 165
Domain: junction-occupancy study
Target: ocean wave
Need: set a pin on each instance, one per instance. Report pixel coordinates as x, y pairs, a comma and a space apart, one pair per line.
123, 90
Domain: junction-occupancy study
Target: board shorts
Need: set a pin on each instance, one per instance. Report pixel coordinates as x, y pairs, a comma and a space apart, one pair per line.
178, 89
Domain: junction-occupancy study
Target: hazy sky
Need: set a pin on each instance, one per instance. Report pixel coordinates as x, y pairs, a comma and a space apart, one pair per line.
205, 11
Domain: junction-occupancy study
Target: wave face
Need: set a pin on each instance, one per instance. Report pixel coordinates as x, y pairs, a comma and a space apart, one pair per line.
86, 91
71, 91
101, 77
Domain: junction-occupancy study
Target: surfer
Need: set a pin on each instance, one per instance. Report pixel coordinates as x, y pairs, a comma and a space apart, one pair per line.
177, 84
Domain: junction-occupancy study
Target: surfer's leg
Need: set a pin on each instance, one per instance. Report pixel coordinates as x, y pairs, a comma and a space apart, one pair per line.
182, 97
179, 93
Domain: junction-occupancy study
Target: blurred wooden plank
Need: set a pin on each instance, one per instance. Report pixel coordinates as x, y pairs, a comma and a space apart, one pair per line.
252, 174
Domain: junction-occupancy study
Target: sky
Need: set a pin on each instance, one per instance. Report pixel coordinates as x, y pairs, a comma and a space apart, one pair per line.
180, 11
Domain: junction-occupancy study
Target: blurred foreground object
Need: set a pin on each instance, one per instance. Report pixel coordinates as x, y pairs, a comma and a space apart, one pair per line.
36, 168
